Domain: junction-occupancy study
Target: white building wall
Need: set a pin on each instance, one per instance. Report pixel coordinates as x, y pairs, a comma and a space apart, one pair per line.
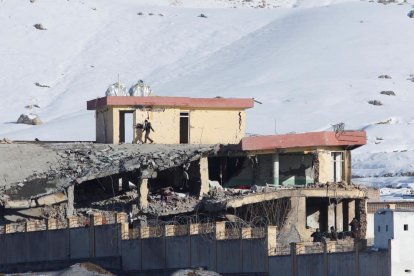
402, 247
383, 228
370, 226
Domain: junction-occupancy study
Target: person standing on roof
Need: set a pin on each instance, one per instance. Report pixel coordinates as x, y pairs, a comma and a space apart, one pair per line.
147, 129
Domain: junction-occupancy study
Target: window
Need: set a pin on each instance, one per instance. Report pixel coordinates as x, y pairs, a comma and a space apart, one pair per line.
379, 228
337, 166
405, 227
386, 228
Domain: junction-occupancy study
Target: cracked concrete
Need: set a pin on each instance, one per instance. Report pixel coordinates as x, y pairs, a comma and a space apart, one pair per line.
32, 170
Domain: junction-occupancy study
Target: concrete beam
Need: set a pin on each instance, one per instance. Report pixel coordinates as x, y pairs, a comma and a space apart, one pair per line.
215, 205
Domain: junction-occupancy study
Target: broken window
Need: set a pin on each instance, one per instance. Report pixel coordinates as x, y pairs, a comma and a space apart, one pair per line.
231, 171
337, 166
296, 169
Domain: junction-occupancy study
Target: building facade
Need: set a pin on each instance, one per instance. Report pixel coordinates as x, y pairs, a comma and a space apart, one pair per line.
394, 231
175, 120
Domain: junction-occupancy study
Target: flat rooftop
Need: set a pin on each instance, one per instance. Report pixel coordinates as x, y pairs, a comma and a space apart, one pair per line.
304, 140
212, 103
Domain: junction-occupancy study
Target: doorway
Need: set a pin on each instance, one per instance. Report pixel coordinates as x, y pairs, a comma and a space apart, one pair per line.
184, 127
126, 126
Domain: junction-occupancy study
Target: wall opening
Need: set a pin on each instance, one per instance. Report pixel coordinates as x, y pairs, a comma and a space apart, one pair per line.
126, 126
231, 171
296, 169
337, 166
184, 128
316, 213
405, 227
182, 179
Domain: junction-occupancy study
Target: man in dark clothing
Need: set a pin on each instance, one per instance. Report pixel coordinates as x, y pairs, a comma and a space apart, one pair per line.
147, 129
317, 236
355, 225
334, 234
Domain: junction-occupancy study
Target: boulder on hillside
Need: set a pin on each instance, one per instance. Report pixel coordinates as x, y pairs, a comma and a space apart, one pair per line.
39, 27
29, 119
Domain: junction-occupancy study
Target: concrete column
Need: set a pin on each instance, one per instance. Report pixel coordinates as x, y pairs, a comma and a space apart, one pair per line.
220, 230
144, 232
71, 199
275, 158
246, 233
169, 230
73, 222
121, 217
271, 240
204, 179
30, 226
194, 229
51, 224
9, 228
298, 214
351, 210
143, 194
125, 230
293, 262
347, 167
331, 215
339, 216
97, 219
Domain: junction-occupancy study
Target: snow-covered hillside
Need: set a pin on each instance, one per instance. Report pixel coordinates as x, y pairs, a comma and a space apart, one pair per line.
311, 63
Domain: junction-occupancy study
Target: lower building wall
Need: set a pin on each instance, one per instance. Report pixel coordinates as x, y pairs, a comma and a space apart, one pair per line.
55, 249
337, 264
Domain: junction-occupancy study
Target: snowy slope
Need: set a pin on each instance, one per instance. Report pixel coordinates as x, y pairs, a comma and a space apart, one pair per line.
311, 63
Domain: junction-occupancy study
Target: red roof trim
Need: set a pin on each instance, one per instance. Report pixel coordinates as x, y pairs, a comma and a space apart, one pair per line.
301, 140
220, 103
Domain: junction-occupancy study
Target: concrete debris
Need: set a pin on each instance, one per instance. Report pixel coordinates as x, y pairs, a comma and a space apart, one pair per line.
172, 204
384, 77
215, 185
53, 167
411, 14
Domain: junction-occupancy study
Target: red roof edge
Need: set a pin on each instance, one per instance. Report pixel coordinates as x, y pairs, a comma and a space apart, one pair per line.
301, 140
219, 103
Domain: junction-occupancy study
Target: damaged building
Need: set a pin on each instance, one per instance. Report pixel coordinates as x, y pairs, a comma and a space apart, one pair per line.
201, 165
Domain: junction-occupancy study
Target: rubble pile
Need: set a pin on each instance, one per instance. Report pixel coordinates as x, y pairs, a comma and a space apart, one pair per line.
175, 203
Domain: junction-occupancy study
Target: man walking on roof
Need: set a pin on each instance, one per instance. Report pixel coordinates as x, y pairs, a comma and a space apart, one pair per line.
147, 129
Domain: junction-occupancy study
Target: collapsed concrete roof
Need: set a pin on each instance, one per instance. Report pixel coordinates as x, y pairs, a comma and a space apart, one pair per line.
33, 170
